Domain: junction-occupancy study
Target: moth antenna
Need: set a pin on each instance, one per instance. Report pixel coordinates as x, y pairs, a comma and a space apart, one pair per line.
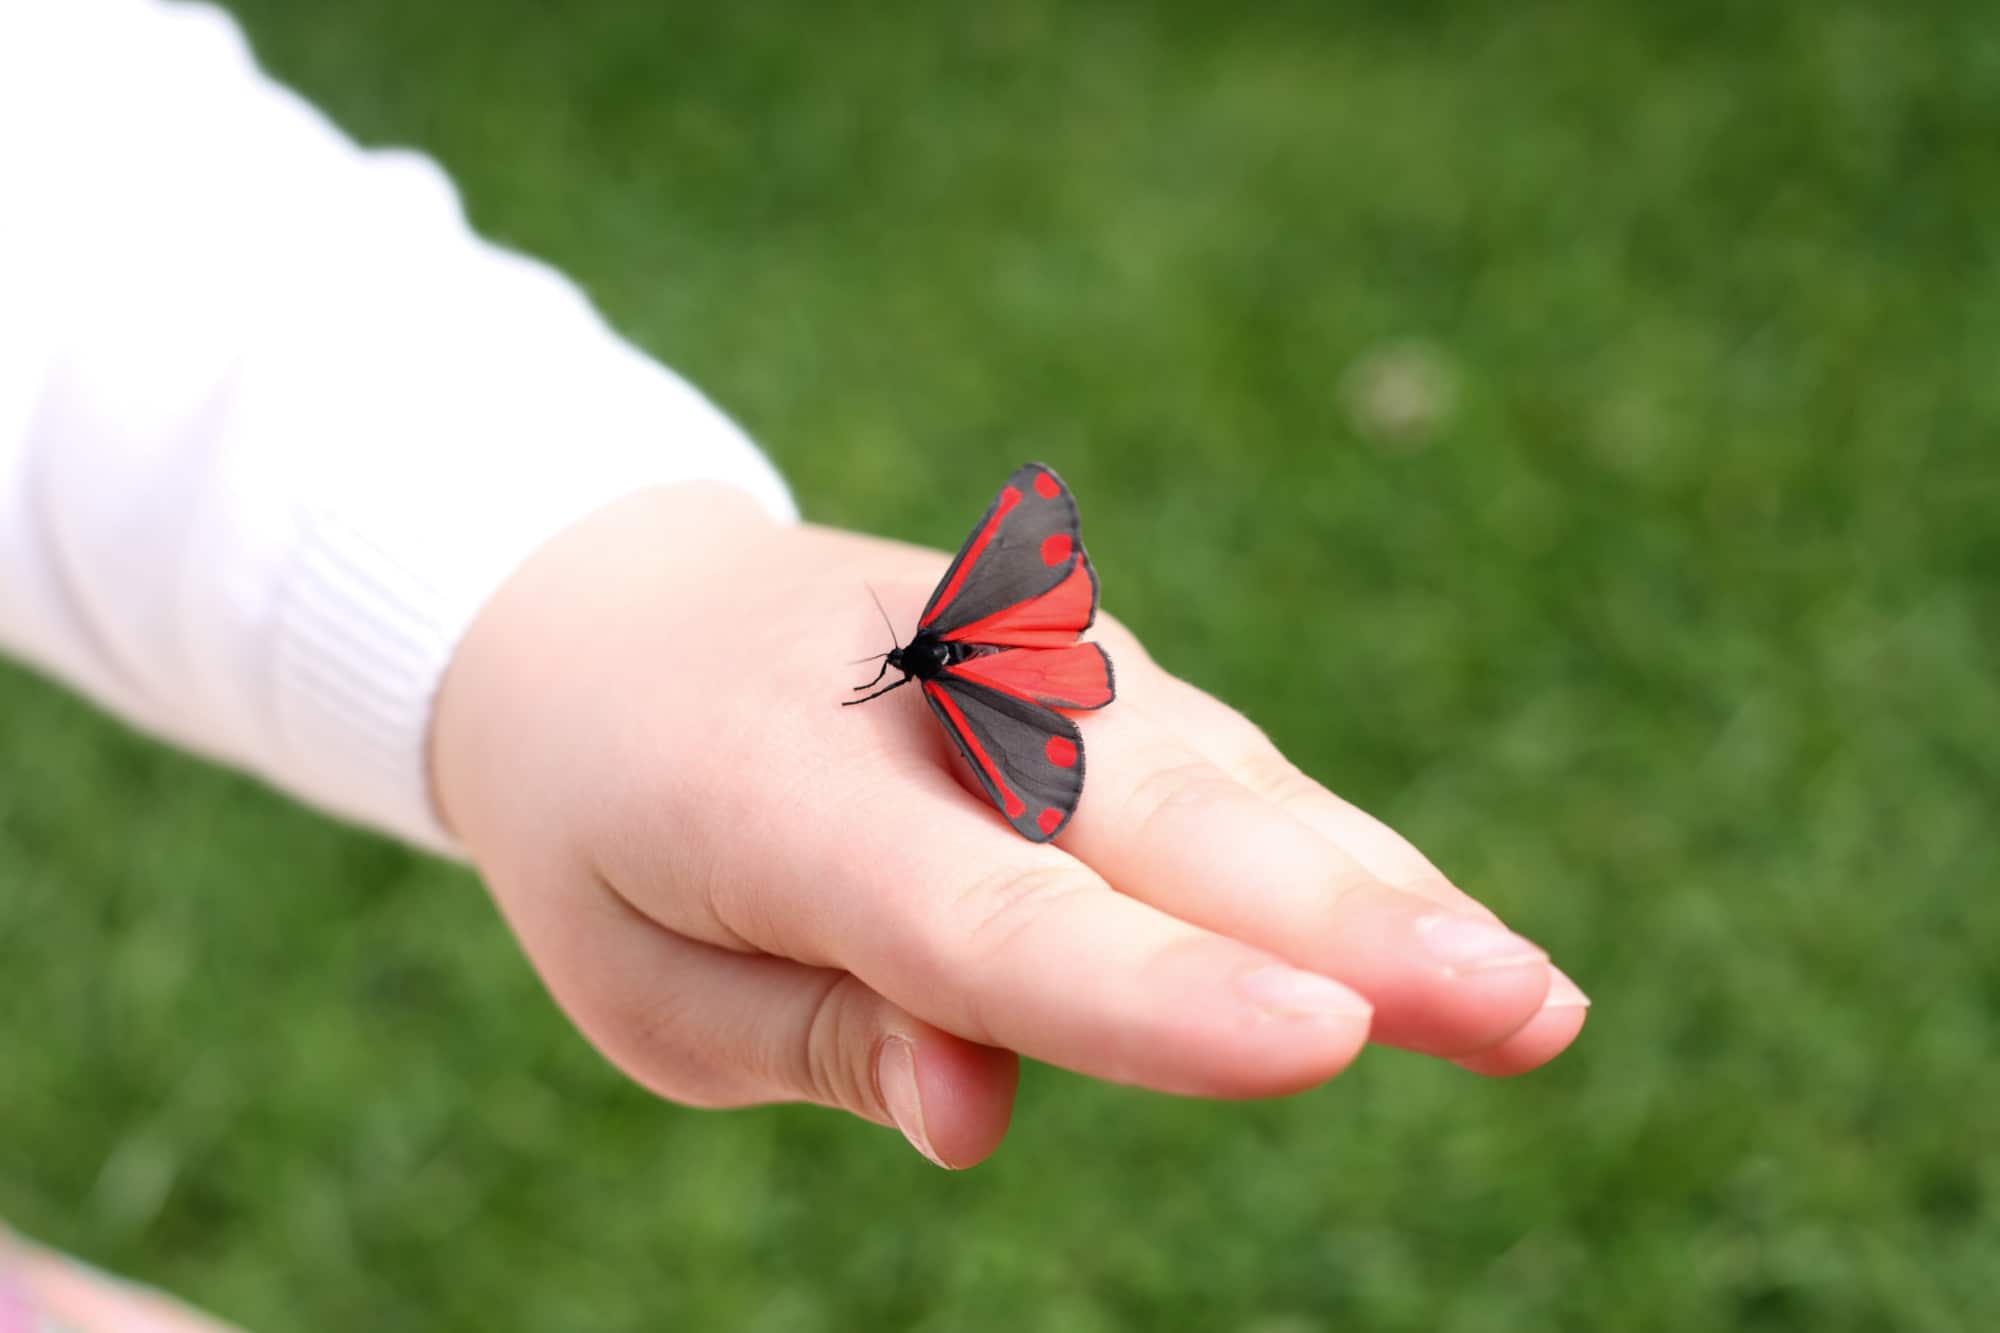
886, 622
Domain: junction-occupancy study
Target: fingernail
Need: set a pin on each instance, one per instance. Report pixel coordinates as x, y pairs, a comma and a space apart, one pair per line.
1468, 944
896, 1077
1286, 992
1564, 993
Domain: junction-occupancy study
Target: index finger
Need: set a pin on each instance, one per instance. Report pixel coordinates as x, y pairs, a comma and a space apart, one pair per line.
942, 909
1240, 748
1168, 826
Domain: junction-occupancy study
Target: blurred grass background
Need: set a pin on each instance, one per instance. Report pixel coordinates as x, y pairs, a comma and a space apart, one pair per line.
1569, 430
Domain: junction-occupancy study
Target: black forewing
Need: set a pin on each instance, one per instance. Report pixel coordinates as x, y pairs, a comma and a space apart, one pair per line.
1003, 563
1015, 734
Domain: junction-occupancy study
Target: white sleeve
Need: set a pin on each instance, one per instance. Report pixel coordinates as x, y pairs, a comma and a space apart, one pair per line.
274, 424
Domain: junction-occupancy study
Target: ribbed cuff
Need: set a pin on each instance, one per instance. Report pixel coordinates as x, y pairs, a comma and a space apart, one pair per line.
381, 591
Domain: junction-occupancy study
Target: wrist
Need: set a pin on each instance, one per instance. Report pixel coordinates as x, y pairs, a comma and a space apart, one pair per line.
647, 558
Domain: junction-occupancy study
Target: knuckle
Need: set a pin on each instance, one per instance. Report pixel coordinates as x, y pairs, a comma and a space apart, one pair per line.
994, 914
1277, 779
729, 913
1348, 885
822, 1055
990, 922
831, 1061
1167, 791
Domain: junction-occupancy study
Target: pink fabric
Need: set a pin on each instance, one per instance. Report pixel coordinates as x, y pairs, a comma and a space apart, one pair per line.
45, 1292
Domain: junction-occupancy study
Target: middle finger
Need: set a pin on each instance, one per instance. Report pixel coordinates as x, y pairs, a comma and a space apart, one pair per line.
1166, 826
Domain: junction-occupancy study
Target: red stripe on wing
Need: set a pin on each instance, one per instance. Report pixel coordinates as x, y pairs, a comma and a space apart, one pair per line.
1052, 620
961, 731
1077, 676
1009, 497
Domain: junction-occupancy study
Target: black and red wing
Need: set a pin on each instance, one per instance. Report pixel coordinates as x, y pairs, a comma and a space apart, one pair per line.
1078, 676
1022, 579
1029, 758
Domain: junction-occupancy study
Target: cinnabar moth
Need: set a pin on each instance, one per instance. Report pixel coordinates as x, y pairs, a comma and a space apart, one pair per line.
995, 652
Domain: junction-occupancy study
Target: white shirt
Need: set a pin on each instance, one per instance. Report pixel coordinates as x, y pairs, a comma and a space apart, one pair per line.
274, 423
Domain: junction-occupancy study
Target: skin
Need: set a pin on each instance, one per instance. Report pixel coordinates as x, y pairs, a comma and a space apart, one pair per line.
742, 893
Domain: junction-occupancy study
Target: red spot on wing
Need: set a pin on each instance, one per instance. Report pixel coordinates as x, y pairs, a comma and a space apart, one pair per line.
1061, 751
1056, 548
1047, 487
1077, 675
1009, 497
963, 733
1051, 620
1049, 820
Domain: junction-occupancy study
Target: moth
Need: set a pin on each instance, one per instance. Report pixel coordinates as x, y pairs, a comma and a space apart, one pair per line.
996, 653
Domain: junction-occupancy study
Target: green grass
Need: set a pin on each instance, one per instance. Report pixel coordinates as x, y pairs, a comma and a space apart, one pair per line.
1664, 614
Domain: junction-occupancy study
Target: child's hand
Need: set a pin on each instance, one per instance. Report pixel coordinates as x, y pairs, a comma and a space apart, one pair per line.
743, 893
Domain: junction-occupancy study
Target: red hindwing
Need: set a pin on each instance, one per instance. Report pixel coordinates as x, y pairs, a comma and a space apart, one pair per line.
1077, 676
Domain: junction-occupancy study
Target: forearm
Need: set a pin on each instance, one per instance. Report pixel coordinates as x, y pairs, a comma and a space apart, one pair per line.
274, 423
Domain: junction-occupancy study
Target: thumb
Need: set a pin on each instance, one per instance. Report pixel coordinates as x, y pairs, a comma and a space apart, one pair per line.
709, 1027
